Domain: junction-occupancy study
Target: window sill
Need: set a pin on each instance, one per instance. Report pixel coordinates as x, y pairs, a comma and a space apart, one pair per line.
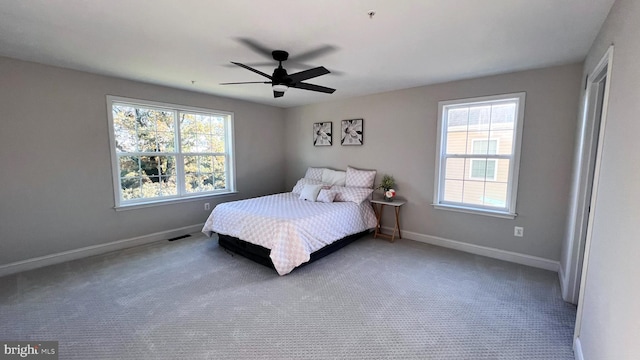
171, 201
498, 214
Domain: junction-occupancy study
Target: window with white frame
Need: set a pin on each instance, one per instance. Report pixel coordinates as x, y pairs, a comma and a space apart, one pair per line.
165, 152
479, 154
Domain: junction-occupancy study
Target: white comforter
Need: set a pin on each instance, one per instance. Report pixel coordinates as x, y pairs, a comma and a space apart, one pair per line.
290, 227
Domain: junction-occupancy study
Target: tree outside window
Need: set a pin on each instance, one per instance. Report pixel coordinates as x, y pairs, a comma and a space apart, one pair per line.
162, 153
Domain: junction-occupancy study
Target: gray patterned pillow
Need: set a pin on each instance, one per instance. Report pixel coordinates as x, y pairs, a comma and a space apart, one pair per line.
326, 196
360, 178
353, 194
314, 173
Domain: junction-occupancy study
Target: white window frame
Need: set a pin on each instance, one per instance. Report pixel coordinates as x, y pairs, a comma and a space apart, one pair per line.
509, 211
182, 195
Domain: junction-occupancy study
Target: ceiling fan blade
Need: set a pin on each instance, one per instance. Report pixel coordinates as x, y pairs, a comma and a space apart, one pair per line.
277, 94
308, 74
246, 82
255, 46
313, 87
270, 64
252, 69
312, 54
290, 65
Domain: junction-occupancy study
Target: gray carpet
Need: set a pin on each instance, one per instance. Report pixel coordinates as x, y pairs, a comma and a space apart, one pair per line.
190, 299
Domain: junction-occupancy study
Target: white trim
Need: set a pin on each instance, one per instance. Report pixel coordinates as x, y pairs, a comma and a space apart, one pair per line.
561, 277
177, 153
514, 166
476, 211
230, 144
606, 61
173, 201
41, 261
577, 349
510, 256
581, 188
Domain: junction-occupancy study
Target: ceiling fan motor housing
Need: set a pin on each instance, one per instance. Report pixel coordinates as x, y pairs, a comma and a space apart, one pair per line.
280, 76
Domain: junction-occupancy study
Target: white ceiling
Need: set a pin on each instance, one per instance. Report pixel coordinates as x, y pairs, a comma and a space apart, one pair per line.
407, 43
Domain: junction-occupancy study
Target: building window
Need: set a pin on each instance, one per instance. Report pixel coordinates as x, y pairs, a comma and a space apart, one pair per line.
479, 154
164, 152
483, 168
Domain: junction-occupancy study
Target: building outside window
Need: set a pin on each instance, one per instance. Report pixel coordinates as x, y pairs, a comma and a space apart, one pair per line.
479, 153
483, 168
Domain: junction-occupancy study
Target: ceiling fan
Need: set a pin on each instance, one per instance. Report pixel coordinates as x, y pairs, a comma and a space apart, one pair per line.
281, 81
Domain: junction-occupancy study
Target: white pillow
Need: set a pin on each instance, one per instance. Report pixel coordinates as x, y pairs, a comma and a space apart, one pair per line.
310, 192
353, 194
314, 173
334, 177
326, 196
360, 178
302, 182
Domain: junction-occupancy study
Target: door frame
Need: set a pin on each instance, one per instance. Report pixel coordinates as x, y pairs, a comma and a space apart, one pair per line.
601, 72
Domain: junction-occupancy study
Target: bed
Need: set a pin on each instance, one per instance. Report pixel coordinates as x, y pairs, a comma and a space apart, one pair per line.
286, 231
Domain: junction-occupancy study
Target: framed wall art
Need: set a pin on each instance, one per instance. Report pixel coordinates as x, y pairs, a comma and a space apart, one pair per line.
322, 134
352, 132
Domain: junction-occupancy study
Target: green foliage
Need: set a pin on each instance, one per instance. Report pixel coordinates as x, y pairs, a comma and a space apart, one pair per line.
387, 182
140, 131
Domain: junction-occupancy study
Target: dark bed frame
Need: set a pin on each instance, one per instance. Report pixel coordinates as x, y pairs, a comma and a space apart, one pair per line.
260, 254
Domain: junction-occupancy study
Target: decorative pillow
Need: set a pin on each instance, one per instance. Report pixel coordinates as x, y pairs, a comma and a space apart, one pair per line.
360, 178
353, 194
314, 173
334, 177
302, 182
326, 196
310, 192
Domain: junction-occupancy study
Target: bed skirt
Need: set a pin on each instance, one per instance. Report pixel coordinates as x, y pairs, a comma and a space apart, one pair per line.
260, 254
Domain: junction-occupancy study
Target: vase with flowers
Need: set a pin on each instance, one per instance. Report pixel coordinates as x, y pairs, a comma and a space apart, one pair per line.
386, 185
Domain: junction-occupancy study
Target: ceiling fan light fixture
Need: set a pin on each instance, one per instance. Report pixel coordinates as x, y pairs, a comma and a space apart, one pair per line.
280, 87
281, 81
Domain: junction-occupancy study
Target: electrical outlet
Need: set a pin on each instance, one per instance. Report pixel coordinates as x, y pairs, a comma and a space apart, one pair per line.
518, 231
207, 206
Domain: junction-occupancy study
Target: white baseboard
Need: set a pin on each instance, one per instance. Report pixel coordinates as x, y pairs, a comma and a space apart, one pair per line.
563, 285
561, 278
510, 256
75, 254
577, 349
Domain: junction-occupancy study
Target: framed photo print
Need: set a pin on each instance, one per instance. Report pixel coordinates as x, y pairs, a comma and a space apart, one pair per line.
322, 134
352, 131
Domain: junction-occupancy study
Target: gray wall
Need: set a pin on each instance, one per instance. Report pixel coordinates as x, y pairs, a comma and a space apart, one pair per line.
610, 321
400, 139
56, 189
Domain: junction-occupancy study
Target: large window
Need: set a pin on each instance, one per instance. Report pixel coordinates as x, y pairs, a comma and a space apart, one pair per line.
479, 154
164, 152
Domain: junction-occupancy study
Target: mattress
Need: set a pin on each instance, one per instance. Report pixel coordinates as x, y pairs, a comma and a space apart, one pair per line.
290, 228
